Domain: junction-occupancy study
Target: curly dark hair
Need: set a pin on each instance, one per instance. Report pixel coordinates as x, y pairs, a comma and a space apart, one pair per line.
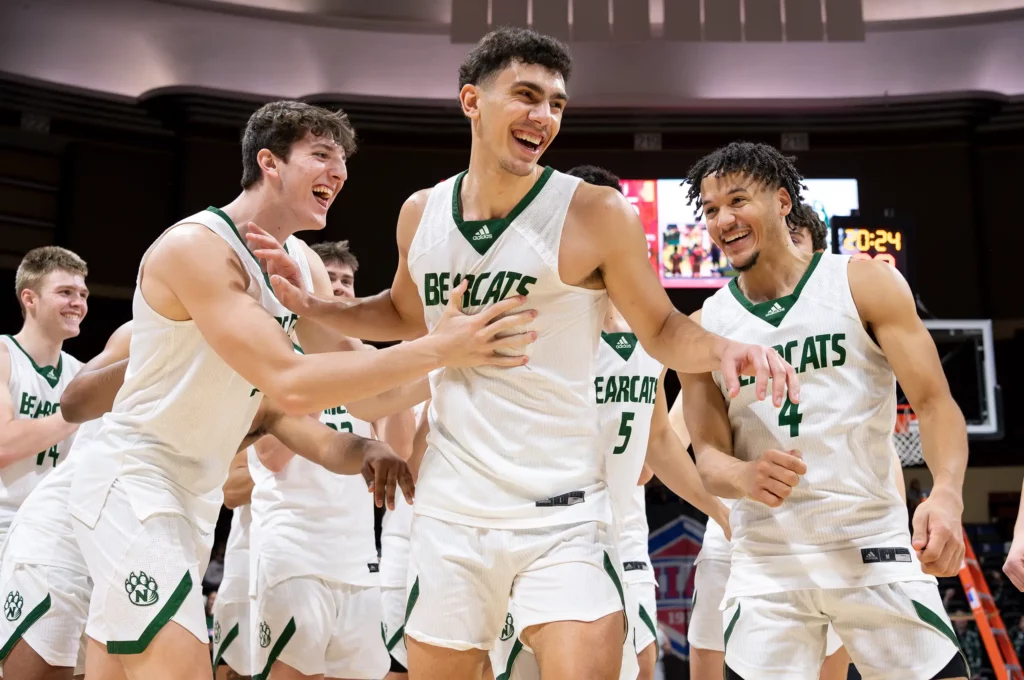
591, 174
803, 217
760, 162
278, 125
501, 47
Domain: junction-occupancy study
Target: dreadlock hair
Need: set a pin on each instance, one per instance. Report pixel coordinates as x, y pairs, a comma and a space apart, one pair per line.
591, 174
803, 216
760, 162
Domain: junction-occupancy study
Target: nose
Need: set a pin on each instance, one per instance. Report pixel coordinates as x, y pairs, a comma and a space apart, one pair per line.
339, 173
725, 218
541, 113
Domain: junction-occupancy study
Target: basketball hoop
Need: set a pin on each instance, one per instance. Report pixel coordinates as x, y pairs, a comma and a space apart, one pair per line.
907, 436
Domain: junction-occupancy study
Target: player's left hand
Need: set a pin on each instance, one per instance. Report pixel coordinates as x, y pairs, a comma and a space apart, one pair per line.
383, 471
938, 533
1014, 565
274, 259
763, 363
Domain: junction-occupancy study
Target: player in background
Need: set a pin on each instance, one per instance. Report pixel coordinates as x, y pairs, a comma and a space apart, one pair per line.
34, 370
487, 493
820, 533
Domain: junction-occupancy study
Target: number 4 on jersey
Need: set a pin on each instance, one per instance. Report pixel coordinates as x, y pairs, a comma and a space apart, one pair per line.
790, 415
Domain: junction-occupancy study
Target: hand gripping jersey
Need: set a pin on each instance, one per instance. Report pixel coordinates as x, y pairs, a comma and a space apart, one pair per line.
182, 411
844, 524
511, 447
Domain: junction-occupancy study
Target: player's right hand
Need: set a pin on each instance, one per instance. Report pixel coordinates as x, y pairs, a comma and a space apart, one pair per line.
1014, 565
764, 363
771, 478
468, 340
384, 471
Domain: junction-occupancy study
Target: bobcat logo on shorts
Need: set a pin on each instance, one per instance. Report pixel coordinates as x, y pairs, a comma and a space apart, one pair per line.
12, 606
141, 589
216, 632
509, 630
264, 634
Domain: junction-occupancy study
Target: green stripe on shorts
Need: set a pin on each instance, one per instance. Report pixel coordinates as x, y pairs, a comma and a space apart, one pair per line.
275, 651
732, 624
516, 648
228, 639
30, 619
165, 614
936, 622
646, 618
414, 594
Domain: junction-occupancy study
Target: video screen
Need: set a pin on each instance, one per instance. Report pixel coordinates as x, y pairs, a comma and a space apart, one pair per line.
678, 244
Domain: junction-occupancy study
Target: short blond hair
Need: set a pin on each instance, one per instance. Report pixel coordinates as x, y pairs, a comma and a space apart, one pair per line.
39, 262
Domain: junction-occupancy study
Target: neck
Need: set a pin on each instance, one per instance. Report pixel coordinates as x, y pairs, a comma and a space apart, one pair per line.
44, 350
489, 191
614, 322
253, 205
775, 275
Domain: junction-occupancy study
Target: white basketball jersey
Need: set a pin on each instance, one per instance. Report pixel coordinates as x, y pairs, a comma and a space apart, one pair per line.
42, 531
715, 545
844, 524
35, 393
511, 447
627, 386
182, 411
308, 521
234, 587
395, 529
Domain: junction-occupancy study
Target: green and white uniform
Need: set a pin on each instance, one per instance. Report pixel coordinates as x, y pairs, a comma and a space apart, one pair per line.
35, 393
316, 582
838, 549
146, 506
231, 622
512, 485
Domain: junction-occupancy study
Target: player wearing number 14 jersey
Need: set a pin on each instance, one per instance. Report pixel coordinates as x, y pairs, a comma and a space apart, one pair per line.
819, 530
34, 371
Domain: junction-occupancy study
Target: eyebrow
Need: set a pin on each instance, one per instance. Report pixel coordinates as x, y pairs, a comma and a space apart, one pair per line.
325, 145
537, 89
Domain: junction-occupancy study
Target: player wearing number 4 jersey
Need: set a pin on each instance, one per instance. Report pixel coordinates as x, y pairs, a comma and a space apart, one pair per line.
819, 532
50, 284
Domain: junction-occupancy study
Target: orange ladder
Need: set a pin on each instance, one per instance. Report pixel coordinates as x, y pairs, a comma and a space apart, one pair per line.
990, 622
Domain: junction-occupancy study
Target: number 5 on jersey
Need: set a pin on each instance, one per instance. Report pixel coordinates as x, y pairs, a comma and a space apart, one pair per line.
625, 431
790, 415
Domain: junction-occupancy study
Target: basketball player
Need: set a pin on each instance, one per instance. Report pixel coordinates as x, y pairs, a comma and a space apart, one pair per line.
210, 340
819, 533
705, 633
1014, 565
34, 370
634, 419
511, 496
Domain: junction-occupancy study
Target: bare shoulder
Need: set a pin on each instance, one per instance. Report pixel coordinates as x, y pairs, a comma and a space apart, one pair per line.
410, 216
599, 206
696, 316
194, 248
879, 290
5, 364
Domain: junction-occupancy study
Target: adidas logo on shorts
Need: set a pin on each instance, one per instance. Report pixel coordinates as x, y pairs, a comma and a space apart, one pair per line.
483, 235
776, 309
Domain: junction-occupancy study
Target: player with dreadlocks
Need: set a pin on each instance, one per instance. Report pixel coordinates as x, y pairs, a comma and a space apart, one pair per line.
819, 531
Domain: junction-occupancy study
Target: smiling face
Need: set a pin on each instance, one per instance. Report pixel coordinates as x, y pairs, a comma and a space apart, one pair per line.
516, 114
57, 304
744, 216
307, 183
343, 279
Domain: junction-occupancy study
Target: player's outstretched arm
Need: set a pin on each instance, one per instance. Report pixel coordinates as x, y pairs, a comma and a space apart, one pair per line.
394, 401
667, 334
20, 439
419, 441
395, 314
343, 453
886, 304
194, 274
92, 391
1014, 565
398, 431
239, 485
668, 459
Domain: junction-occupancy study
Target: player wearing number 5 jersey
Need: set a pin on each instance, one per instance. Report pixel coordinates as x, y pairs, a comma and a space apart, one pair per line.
50, 283
819, 531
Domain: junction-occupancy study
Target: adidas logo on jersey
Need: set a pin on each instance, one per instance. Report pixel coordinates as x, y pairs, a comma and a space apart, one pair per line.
483, 235
776, 309
623, 344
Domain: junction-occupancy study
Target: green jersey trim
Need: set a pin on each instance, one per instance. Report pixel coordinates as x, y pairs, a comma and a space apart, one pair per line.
159, 621
28, 622
774, 311
224, 216
622, 343
51, 374
482, 234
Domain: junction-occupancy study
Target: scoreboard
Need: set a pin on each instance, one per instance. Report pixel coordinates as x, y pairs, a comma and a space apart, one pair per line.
871, 240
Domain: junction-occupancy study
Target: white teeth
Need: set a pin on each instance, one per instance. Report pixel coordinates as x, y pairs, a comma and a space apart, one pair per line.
736, 237
527, 137
323, 192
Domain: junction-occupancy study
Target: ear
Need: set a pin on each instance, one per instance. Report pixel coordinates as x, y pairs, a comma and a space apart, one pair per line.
267, 162
28, 298
469, 99
785, 202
